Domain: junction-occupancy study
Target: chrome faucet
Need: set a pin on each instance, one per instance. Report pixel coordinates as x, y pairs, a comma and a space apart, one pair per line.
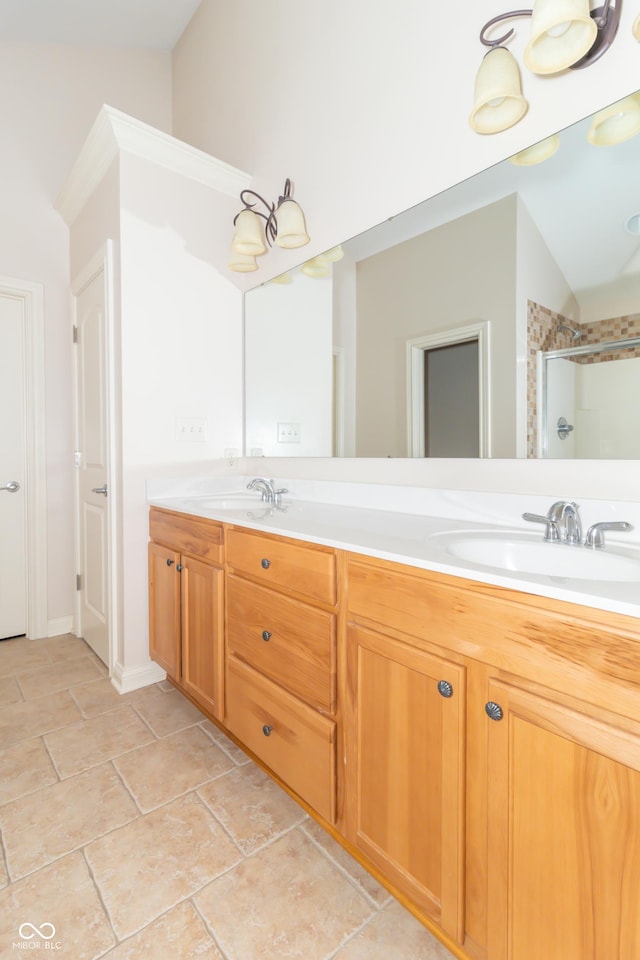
562, 522
268, 491
595, 533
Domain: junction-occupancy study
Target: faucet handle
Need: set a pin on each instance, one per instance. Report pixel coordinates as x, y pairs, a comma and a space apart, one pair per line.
595, 533
551, 532
277, 496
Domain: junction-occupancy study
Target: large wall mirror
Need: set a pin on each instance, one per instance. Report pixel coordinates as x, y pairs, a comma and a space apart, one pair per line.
424, 335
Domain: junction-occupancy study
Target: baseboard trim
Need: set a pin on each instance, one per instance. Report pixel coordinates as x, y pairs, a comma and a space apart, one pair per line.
126, 679
56, 628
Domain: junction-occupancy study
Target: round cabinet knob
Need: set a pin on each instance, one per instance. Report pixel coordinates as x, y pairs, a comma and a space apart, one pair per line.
266, 635
265, 564
169, 562
493, 710
445, 689
179, 567
267, 730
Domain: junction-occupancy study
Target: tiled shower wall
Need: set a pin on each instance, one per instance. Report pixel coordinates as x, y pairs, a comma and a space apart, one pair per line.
542, 334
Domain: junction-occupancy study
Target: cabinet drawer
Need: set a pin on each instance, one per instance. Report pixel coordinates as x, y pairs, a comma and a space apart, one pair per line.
303, 569
199, 538
289, 641
300, 745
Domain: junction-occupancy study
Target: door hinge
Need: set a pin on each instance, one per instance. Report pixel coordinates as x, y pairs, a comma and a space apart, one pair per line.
78, 582
77, 459
75, 333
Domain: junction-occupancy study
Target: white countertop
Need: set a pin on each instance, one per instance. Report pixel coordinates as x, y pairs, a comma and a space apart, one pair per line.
418, 534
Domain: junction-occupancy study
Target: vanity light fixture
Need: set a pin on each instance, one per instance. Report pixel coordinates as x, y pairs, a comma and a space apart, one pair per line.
616, 123
564, 33
320, 266
284, 224
537, 153
636, 27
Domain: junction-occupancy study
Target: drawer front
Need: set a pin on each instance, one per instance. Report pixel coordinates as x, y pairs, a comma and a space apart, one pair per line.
299, 568
198, 538
289, 641
289, 737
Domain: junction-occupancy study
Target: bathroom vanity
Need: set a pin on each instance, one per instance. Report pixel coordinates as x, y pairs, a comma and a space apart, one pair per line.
475, 745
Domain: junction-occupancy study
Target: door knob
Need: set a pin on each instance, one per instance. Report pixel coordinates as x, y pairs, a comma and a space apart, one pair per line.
11, 487
103, 490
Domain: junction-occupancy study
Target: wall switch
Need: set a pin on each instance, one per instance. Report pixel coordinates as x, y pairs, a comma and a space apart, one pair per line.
288, 433
191, 429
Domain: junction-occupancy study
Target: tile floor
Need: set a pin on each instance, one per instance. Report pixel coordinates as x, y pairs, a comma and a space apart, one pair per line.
132, 827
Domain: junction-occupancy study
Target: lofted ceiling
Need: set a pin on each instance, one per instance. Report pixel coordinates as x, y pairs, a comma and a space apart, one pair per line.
147, 24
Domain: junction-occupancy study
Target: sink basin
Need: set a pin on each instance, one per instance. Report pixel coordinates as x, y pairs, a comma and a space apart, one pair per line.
521, 555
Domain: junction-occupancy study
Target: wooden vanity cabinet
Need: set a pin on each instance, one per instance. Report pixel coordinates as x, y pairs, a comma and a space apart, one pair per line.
548, 744
186, 604
281, 674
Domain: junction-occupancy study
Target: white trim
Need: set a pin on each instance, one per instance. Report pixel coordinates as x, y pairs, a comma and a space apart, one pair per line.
127, 679
32, 296
55, 628
415, 351
101, 262
114, 132
338, 400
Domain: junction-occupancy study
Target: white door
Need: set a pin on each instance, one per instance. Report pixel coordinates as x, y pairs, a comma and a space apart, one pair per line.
13, 555
92, 463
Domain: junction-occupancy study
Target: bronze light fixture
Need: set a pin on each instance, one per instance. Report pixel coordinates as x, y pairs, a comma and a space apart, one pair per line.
284, 224
565, 34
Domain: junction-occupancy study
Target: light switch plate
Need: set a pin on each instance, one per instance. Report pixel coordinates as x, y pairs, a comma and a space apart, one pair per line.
288, 432
191, 429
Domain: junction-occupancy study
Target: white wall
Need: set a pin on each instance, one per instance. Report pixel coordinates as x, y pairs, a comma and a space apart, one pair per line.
51, 95
288, 365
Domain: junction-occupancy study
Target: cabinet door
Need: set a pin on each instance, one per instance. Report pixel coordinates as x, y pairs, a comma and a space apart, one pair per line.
202, 631
564, 833
164, 608
405, 764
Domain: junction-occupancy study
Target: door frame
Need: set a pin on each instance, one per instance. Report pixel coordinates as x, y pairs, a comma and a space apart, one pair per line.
415, 351
101, 262
31, 295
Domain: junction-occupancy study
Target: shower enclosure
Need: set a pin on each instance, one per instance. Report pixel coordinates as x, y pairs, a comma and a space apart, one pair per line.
589, 401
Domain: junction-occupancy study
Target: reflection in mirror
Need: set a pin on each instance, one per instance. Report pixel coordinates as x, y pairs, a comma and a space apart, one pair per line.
588, 400
531, 254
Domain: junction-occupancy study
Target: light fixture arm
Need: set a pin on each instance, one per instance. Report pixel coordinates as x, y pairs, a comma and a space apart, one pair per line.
499, 41
271, 227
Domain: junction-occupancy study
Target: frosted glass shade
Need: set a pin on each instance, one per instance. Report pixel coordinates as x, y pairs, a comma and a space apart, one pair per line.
562, 31
249, 234
292, 230
616, 123
636, 27
317, 267
242, 262
498, 101
333, 255
537, 153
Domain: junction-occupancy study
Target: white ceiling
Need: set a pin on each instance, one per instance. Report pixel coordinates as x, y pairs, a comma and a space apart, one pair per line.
150, 24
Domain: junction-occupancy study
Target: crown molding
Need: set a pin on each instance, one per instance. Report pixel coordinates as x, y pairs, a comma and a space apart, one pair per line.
114, 133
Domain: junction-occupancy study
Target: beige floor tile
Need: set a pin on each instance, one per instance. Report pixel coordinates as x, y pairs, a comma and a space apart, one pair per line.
395, 933
21, 654
57, 676
4, 877
238, 756
176, 851
33, 718
286, 901
251, 807
9, 692
96, 697
63, 895
168, 713
90, 742
47, 825
346, 862
24, 768
65, 647
179, 935
167, 768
